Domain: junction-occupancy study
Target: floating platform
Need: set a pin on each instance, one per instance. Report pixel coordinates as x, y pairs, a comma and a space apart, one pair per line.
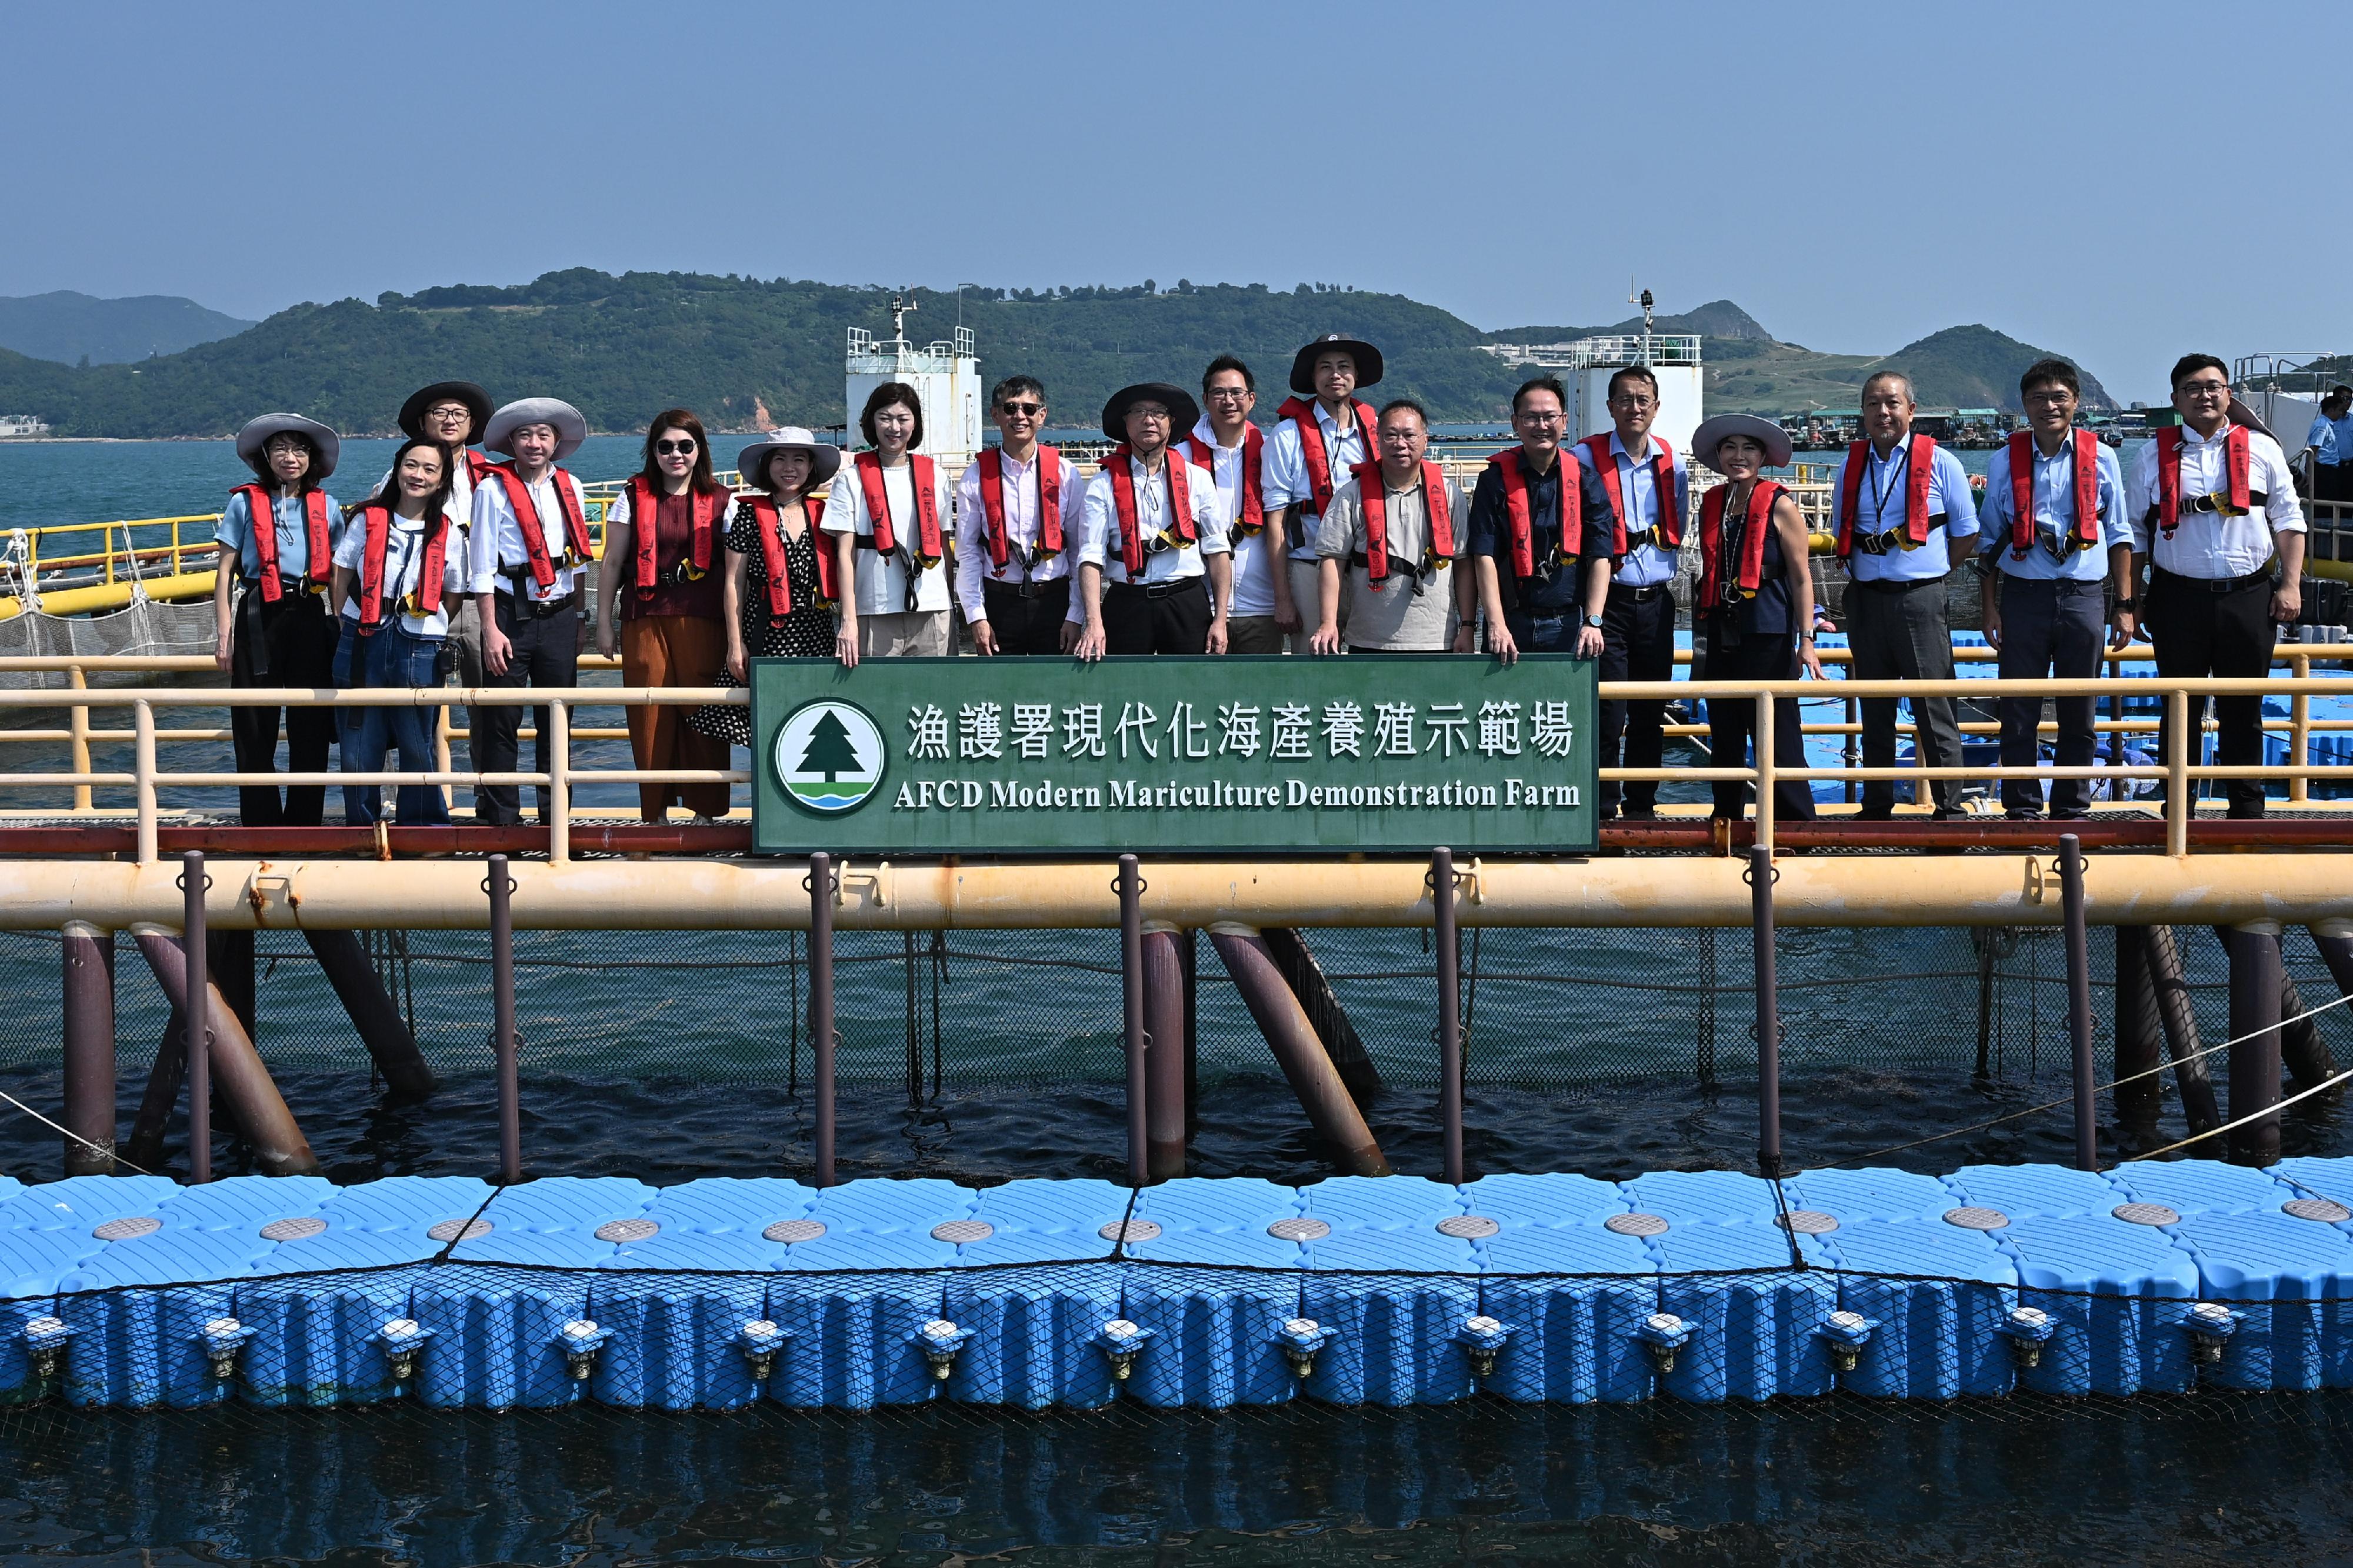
136, 1292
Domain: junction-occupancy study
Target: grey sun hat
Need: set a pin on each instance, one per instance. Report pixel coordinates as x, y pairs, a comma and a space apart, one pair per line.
1303, 363
752, 462
1764, 432
258, 432
571, 430
1182, 412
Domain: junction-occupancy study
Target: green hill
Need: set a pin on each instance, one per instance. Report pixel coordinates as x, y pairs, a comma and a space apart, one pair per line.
69, 326
747, 352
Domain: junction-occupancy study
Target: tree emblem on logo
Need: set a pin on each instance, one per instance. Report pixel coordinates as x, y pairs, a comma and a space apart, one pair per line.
829, 756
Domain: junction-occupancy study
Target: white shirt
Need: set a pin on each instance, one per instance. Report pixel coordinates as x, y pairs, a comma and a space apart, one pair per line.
1285, 480
1645, 565
2206, 543
1101, 544
404, 564
974, 565
495, 540
1254, 556
880, 588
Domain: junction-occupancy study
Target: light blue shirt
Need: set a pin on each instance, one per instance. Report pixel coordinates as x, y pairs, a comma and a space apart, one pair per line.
1645, 565
1884, 481
2054, 516
2331, 440
1282, 472
235, 531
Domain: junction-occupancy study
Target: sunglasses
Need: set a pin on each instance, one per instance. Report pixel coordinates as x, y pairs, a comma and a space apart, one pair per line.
685, 448
1022, 410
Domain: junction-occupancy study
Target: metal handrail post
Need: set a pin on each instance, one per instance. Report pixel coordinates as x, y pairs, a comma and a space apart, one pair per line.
559, 781
1449, 1011
2079, 999
1131, 972
1763, 732
196, 1018
2179, 807
80, 722
2299, 730
1769, 1015
820, 1017
1853, 748
503, 1045
143, 770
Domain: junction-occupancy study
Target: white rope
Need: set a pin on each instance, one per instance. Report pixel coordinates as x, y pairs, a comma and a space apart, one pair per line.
2241, 1121
71, 1133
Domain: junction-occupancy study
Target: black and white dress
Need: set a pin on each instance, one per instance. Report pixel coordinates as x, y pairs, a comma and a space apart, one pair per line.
806, 632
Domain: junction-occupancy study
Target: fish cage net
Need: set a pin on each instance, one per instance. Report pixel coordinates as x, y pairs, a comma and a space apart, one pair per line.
994, 1054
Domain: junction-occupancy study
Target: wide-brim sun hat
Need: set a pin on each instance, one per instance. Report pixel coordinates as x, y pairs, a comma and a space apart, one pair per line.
571, 430
1182, 412
752, 462
258, 432
1764, 432
1303, 364
477, 402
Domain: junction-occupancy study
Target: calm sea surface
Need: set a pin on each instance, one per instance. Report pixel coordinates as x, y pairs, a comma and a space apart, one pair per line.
671, 1056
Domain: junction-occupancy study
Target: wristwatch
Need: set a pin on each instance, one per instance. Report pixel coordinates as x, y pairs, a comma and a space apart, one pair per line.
2128, 607
1593, 621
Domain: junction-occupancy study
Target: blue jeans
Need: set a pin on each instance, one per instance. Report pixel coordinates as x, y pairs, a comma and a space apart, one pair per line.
391, 656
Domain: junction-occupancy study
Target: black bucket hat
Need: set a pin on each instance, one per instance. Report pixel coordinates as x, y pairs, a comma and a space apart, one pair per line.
1182, 412
1368, 358
477, 402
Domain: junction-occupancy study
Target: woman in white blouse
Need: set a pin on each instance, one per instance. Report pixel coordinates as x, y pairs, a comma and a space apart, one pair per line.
885, 515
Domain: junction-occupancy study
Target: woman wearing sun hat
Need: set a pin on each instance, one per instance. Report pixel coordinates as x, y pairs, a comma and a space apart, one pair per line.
276, 538
779, 585
1754, 608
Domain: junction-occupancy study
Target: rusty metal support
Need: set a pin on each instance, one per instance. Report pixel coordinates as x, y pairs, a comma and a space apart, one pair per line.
506, 1050
2140, 1043
1446, 939
821, 885
1163, 1055
1130, 886
373, 1012
90, 1064
145, 1148
1761, 873
1297, 1051
247, 1090
2302, 1045
2255, 1044
2178, 1017
2079, 1003
199, 1014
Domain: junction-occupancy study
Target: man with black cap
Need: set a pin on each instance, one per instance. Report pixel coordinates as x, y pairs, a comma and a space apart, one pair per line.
454, 414
530, 548
1323, 432
1152, 531
2213, 506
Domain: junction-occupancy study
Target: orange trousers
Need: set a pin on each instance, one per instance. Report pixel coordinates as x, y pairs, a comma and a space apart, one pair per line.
674, 651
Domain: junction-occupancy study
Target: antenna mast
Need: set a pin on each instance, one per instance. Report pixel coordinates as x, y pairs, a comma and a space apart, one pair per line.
902, 306
1645, 300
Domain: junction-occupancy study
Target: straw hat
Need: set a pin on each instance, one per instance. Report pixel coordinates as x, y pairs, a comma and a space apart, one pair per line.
752, 462
571, 430
258, 432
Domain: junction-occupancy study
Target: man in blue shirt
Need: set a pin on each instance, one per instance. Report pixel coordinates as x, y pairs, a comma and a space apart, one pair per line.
1637, 497
2331, 440
2047, 570
1900, 499
1527, 533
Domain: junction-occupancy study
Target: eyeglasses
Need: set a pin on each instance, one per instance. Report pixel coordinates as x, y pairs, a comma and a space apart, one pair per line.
2204, 388
1540, 417
1228, 394
1021, 410
447, 412
1146, 411
685, 448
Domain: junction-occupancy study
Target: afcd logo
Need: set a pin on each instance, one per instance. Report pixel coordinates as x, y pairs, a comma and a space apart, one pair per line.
830, 756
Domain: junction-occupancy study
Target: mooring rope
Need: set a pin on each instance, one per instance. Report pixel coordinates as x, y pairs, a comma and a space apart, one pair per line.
70, 1132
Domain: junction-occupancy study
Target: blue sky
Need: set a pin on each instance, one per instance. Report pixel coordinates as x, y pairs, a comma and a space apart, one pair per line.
2122, 182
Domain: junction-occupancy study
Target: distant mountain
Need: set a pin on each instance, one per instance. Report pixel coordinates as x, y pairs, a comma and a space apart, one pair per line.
1977, 367
1717, 319
748, 352
69, 326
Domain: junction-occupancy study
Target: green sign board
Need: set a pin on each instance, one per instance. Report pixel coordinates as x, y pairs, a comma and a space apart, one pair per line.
1240, 754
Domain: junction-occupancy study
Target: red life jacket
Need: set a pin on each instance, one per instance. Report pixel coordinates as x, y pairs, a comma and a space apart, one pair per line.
1311, 446
1762, 497
1253, 517
772, 553
258, 500
643, 514
1509, 464
477, 467
576, 548
1662, 473
1122, 495
1923, 456
1372, 494
1049, 504
426, 600
2169, 474
2086, 452
927, 506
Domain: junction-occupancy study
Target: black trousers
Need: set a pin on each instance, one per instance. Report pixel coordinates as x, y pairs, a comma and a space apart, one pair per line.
290, 643
1033, 624
1177, 622
1766, 655
1637, 643
1902, 635
546, 653
2050, 630
2199, 632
